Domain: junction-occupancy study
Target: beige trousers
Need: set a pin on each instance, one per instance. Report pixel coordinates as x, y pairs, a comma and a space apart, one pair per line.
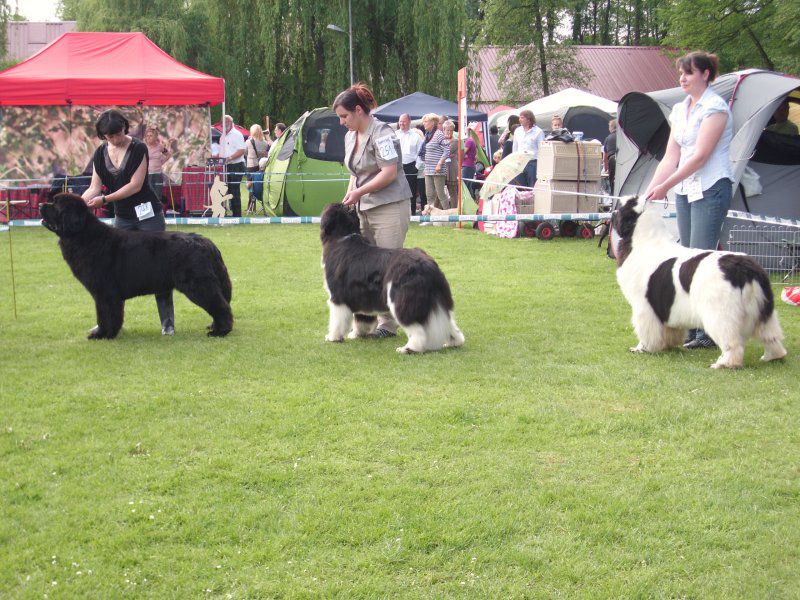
436, 190
386, 227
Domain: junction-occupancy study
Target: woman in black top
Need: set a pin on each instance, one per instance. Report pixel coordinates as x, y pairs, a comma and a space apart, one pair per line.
120, 166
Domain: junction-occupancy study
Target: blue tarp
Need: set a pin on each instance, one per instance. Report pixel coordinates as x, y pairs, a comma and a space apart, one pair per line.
418, 104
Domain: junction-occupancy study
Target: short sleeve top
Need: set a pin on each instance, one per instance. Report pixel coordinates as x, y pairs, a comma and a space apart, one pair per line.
685, 128
114, 179
380, 148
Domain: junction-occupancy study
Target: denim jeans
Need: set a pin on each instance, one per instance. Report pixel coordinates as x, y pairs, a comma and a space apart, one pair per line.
700, 222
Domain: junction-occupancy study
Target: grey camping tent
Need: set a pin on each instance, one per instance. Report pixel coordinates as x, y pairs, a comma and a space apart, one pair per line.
753, 96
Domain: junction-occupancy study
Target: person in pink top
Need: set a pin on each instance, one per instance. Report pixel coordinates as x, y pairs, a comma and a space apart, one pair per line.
158, 153
468, 161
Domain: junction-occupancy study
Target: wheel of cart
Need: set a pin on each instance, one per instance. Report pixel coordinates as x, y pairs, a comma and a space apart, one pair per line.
585, 231
528, 228
568, 229
545, 230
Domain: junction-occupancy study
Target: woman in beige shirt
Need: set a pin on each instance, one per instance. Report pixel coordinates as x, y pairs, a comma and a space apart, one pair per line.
378, 186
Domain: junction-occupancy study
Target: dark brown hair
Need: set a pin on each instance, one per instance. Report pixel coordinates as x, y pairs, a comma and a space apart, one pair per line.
703, 61
111, 121
356, 95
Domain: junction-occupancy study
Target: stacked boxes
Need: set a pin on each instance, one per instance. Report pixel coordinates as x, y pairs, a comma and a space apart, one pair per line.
568, 167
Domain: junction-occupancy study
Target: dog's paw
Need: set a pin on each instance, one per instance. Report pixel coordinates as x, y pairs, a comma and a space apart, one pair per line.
337, 340
638, 349
406, 350
217, 332
353, 335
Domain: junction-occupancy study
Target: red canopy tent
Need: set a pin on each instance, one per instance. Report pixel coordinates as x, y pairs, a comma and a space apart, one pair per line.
87, 71
107, 69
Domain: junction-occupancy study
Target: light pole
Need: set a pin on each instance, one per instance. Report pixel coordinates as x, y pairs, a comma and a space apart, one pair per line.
333, 27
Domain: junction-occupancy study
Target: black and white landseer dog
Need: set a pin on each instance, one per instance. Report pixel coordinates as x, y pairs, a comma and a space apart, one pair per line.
671, 288
364, 280
114, 265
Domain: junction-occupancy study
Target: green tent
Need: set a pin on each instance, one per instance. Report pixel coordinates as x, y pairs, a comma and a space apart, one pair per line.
305, 170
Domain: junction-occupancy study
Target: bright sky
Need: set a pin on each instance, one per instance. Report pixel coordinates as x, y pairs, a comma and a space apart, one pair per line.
36, 10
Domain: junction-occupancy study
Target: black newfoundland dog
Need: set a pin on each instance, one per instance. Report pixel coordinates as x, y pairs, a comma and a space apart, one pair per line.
114, 265
364, 280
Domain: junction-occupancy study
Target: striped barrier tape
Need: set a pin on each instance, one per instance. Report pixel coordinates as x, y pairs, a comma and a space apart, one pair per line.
414, 219
746, 216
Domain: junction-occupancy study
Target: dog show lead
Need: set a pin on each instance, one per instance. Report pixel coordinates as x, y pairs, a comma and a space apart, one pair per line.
378, 186
120, 164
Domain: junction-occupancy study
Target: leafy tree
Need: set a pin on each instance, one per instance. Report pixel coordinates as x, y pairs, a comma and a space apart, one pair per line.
533, 55
744, 33
279, 57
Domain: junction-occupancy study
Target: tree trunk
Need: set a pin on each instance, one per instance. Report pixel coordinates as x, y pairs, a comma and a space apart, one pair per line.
539, 41
761, 52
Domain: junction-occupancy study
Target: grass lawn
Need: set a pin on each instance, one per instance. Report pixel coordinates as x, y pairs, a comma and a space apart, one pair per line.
540, 460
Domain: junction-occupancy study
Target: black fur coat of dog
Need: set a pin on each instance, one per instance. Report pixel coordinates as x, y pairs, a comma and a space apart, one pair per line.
114, 265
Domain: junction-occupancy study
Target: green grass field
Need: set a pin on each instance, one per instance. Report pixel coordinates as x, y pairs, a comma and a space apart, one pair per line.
540, 460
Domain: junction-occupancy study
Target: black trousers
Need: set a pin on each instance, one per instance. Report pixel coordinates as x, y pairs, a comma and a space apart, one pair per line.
166, 310
234, 172
612, 171
410, 169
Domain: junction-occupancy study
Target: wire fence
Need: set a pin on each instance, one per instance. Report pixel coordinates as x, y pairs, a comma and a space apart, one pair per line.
775, 247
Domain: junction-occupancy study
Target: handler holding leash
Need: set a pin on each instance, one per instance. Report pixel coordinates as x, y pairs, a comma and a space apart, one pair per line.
698, 161
120, 164
378, 185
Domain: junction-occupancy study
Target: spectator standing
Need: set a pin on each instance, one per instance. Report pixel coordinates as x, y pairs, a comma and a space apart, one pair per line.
451, 162
277, 132
435, 150
610, 153
468, 161
697, 162
232, 151
158, 153
410, 143
257, 147
527, 138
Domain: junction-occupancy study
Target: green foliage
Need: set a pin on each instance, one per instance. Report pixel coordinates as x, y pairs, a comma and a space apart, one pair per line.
744, 33
541, 460
534, 55
279, 57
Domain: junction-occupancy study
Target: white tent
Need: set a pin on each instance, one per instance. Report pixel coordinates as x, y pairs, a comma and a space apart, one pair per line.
567, 98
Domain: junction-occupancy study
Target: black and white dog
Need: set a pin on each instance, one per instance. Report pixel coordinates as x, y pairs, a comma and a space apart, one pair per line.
671, 288
364, 280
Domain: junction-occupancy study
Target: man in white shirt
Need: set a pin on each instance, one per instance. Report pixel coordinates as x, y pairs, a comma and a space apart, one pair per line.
527, 138
232, 150
410, 143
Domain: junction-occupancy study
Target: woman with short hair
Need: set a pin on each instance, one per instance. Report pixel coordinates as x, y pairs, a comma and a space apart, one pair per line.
435, 151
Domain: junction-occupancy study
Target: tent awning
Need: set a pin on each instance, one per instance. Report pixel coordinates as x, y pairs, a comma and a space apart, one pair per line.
418, 104
107, 69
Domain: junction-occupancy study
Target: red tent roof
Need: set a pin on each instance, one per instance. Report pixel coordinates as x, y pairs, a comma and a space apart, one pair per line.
106, 68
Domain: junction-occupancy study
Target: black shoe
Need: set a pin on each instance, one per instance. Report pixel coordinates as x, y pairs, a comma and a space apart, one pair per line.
690, 337
381, 333
701, 342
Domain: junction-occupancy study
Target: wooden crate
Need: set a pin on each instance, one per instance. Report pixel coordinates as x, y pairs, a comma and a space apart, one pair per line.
573, 161
548, 202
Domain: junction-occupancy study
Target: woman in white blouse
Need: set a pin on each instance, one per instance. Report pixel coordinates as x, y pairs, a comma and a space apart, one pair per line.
697, 162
